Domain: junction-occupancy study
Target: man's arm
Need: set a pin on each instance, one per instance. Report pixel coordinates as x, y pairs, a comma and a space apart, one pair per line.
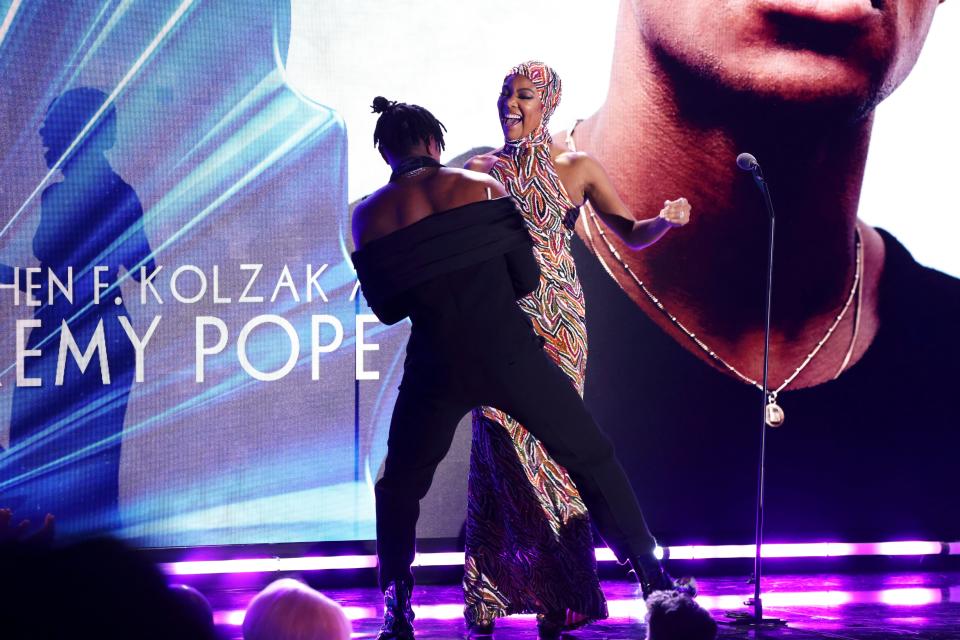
524, 271
391, 311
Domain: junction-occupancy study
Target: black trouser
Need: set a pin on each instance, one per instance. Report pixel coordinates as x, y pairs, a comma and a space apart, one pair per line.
530, 388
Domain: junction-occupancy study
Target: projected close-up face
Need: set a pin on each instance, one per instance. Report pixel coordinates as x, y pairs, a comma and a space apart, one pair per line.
850, 51
519, 107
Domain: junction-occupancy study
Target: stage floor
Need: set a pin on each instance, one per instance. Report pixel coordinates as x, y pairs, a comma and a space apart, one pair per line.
874, 607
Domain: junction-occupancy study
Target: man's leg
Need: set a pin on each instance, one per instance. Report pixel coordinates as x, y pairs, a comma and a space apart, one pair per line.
535, 392
421, 431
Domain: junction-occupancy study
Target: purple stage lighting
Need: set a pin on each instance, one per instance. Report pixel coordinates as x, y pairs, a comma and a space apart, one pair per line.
634, 608
689, 552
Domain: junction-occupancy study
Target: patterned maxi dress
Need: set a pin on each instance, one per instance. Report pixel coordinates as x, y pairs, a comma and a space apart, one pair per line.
529, 542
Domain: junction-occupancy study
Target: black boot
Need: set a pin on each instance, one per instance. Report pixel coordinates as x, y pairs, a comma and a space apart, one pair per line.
397, 612
652, 577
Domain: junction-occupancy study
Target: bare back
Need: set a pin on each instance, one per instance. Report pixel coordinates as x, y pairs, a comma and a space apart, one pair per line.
408, 200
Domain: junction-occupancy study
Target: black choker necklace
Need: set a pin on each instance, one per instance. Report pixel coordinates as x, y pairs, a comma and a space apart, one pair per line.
413, 166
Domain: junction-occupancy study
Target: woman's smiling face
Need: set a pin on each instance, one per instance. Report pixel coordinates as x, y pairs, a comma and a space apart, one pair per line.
519, 107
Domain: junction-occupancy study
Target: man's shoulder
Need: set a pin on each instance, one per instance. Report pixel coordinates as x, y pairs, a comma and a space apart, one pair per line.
367, 206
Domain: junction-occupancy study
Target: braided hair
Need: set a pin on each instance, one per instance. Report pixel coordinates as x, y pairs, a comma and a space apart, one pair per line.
401, 126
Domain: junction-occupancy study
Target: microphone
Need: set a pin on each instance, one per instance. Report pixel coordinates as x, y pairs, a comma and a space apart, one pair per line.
747, 162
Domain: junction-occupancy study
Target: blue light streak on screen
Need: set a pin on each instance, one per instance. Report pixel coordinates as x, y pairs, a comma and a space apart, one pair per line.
231, 165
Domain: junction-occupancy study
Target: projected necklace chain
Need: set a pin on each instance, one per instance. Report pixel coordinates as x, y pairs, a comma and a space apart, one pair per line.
774, 413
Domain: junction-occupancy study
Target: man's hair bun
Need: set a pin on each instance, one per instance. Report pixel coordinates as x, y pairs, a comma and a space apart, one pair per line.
381, 104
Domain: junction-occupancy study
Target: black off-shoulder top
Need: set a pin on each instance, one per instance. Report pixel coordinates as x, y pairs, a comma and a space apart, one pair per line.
441, 243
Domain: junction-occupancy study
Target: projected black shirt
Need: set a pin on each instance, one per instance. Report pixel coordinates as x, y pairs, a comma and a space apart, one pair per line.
869, 456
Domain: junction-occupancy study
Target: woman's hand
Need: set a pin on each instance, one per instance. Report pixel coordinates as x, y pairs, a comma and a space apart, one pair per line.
675, 212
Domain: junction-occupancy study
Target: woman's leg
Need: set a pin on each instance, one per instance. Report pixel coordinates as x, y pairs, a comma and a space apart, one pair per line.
529, 544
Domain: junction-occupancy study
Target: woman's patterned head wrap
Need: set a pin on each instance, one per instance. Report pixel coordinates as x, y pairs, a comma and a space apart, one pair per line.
545, 80
525, 166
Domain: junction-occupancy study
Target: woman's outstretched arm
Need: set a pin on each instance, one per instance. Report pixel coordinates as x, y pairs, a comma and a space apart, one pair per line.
599, 190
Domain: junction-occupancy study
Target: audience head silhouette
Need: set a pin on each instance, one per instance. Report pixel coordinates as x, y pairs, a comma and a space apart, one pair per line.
290, 610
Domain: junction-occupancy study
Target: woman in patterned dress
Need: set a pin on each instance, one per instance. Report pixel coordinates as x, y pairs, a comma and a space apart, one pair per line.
529, 545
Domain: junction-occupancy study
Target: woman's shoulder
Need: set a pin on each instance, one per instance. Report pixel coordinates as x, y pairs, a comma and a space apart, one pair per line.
482, 163
564, 150
564, 157
476, 180
576, 167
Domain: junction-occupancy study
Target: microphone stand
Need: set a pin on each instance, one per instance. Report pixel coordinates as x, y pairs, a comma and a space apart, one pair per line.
756, 619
